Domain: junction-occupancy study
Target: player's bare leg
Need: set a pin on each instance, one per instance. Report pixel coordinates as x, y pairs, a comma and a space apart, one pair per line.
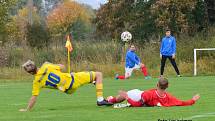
99, 90
118, 99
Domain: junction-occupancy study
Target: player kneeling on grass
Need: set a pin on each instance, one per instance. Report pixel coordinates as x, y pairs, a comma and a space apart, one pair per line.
133, 62
50, 76
153, 97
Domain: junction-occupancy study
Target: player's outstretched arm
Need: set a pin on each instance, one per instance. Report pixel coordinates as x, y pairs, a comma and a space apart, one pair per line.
196, 97
190, 102
31, 103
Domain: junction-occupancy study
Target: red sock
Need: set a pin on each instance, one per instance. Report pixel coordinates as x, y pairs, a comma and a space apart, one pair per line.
113, 100
144, 71
121, 77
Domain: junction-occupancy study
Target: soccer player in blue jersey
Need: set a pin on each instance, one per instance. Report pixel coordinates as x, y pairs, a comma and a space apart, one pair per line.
133, 62
168, 50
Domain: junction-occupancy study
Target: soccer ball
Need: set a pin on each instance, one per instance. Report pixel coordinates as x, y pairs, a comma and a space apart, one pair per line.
126, 36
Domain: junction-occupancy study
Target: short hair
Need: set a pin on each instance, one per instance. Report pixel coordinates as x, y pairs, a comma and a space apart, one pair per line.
32, 69
29, 62
163, 83
168, 29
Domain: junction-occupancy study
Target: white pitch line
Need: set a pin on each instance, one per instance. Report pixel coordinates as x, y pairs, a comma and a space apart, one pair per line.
18, 104
38, 117
204, 115
48, 116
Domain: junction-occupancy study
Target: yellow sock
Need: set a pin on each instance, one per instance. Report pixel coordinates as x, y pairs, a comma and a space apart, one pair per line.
99, 91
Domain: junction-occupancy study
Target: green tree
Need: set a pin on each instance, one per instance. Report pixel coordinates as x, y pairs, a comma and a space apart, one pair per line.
5, 6
181, 16
132, 15
113, 17
37, 36
210, 5
148, 18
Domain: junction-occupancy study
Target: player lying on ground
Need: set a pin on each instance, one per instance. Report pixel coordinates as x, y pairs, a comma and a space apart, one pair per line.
50, 76
153, 97
132, 62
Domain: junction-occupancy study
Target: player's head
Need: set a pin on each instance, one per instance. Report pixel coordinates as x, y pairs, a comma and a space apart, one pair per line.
132, 47
168, 32
162, 83
30, 67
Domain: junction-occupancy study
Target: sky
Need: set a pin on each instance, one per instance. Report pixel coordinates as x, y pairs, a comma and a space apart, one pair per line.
94, 3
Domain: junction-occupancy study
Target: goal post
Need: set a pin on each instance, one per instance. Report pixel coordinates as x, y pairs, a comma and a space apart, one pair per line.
195, 57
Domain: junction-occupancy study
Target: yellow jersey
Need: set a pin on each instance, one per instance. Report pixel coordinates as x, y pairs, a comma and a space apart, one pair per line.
50, 76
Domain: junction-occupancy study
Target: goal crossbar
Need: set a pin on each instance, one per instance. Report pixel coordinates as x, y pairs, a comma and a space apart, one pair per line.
195, 58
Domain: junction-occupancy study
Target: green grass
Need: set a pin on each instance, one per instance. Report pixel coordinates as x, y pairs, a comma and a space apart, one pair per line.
53, 105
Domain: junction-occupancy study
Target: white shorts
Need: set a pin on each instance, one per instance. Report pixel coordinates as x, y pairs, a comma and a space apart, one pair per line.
128, 71
135, 94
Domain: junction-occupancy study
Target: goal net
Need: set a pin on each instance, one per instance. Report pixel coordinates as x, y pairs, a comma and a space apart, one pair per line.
195, 57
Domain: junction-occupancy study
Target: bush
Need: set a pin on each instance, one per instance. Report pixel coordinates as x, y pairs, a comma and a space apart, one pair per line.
41, 56
15, 57
37, 36
105, 56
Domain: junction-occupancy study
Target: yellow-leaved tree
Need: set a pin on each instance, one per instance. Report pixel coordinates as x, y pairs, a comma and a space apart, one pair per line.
61, 19
17, 27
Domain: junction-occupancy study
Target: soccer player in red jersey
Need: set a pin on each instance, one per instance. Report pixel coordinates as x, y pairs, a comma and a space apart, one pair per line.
153, 97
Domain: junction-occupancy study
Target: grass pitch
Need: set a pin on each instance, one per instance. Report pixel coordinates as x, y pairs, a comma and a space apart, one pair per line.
53, 105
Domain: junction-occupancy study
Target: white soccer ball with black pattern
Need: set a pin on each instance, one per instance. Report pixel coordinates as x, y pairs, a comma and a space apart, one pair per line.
126, 36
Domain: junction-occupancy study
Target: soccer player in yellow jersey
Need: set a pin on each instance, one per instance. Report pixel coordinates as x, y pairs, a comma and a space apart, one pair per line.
50, 76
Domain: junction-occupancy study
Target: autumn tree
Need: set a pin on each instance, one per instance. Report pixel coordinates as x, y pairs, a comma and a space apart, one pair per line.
63, 18
22, 33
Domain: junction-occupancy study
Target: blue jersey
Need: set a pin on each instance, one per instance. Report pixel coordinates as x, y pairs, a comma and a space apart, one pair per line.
131, 59
168, 46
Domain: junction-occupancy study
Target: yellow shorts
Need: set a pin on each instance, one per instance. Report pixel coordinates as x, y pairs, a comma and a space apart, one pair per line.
81, 78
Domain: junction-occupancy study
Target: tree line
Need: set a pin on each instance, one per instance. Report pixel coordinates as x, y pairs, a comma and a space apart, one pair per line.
37, 23
148, 18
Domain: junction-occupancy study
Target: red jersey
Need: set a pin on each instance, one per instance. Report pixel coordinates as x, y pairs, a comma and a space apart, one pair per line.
152, 98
